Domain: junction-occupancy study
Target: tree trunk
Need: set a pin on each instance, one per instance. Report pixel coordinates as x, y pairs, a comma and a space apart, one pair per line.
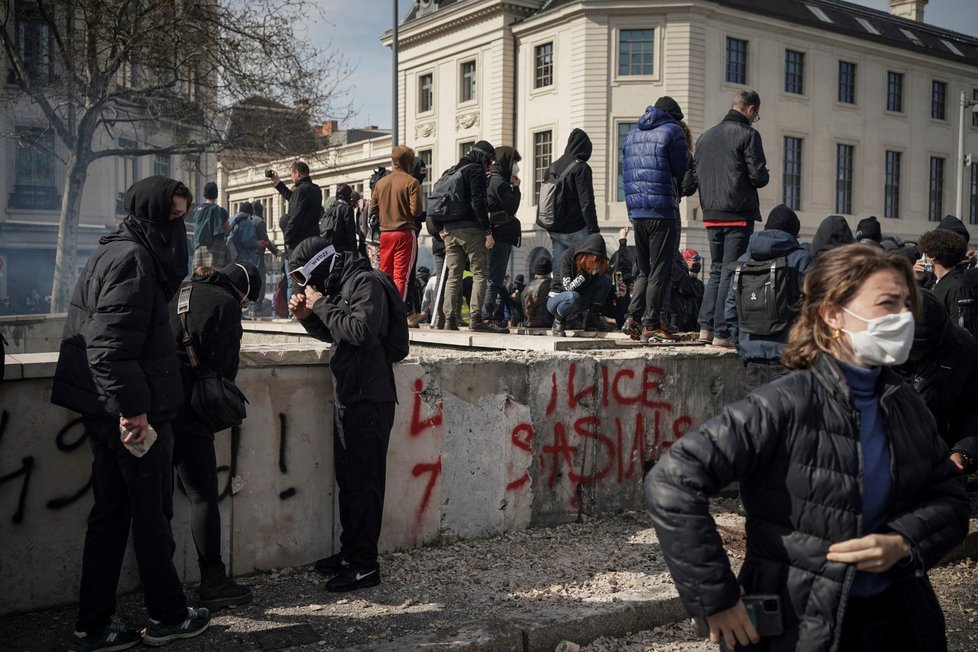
76, 172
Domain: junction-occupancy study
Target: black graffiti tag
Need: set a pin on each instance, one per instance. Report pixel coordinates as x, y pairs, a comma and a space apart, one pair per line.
25, 470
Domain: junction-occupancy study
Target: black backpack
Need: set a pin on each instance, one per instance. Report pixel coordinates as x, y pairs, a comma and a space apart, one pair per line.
398, 340
449, 198
330, 226
764, 296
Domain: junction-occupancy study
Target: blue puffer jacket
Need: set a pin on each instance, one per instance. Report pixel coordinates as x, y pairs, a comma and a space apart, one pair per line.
654, 161
768, 245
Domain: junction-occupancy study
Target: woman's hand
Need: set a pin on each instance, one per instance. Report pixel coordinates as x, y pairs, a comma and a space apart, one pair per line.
875, 553
733, 625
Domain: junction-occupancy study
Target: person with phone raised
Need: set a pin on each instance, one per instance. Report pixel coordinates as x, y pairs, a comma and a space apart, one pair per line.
849, 493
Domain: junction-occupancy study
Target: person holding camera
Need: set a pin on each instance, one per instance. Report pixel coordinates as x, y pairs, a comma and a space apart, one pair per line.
305, 200
849, 491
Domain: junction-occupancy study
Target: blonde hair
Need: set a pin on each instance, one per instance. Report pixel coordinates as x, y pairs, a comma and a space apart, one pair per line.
834, 279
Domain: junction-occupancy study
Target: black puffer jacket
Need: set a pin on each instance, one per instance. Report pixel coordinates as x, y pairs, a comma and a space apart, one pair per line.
729, 168
305, 208
794, 446
117, 353
214, 324
354, 316
577, 205
944, 371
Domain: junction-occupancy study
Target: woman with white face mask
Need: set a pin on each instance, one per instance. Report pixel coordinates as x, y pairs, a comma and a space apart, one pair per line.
849, 492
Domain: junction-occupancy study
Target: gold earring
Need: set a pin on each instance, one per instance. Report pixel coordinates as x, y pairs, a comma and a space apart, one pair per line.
837, 334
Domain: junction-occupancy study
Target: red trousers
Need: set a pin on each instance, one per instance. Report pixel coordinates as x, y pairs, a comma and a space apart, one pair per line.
398, 250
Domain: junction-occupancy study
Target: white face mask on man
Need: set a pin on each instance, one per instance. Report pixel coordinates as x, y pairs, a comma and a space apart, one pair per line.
516, 170
886, 341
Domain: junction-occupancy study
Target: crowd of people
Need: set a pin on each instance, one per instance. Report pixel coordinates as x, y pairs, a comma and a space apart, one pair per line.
860, 366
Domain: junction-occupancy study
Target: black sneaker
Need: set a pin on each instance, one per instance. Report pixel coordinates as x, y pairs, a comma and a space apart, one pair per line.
224, 594
480, 326
157, 633
332, 565
109, 639
353, 578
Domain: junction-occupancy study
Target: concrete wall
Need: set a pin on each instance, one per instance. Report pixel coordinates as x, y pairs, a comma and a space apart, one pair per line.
32, 333
482, 444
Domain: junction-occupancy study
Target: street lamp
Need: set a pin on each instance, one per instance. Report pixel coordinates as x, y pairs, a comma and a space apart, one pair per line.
963, 160
394, 103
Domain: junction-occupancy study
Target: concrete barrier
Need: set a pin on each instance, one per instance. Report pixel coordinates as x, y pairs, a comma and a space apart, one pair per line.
483, 443
32, 333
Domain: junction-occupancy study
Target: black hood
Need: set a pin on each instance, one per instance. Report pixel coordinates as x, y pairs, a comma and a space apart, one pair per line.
833, 232
148, 204
505, 156
578, 145
931, 328
329, 277
593, 244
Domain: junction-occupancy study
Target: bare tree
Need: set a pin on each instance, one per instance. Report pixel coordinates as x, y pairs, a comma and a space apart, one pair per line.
101, 70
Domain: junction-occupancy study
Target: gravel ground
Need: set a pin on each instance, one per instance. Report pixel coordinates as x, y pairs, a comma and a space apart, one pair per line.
467, 591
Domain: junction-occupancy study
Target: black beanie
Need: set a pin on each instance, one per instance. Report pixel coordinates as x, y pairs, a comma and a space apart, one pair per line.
246, 208
869, 229
670, 106
257, 209
543, 267
245, 277
486, 148
210, 190
951, 223
784, 219
519, 279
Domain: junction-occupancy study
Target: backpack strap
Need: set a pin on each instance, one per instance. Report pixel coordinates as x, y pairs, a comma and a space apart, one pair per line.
183, 308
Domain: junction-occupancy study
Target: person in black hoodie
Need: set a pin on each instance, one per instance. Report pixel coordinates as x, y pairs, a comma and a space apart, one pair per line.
729, 167
943, 368
338, 224
118, 368
504, 197
214, 326
579, 216
833, 232
534, 297
584, 285
347, 304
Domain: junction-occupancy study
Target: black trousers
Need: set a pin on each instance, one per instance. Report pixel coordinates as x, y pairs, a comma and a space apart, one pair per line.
881, 623
137, 492
655, 251
196, 465
361, 434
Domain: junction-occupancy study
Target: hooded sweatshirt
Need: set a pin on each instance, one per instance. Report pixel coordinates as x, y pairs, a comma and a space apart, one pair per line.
833, 232
475, 167
654, 161
504, 198
117, 353
578, 209
397, 197
571, 279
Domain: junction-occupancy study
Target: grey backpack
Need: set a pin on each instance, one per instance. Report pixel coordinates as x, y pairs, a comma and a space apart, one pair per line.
549, 203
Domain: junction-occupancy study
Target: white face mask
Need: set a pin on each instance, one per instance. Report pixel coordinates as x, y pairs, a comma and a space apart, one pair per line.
886, 341
516, 169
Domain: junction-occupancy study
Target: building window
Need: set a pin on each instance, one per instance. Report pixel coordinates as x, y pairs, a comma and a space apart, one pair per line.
544, 65
847, 82
543, 149
843, 178
974, 116
34, 43
894, 92
891, 185
623, 129
426, 93
635, 50
468, 81
938, 100
34, 171
161, 164
128, 173
425, 156
463, 148
973, 218
935, 201
736, 61
792, 172
794, 72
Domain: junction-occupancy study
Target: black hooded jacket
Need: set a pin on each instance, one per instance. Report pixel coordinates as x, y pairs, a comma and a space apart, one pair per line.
833, 232
577, 205
570, 278
117, 352
793, 444
353, 315
504, 198
305, 208
473, 167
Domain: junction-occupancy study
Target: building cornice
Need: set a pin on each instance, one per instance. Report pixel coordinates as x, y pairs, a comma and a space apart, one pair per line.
455, 17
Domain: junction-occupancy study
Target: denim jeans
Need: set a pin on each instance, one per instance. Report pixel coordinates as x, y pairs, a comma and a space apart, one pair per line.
498, 262
727, 244
568, 305
137, 493
562, 242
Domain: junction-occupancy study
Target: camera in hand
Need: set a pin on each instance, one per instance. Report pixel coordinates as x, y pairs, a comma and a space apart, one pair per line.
269, 174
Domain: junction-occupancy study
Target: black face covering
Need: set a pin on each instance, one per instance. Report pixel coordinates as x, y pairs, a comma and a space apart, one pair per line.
148, 204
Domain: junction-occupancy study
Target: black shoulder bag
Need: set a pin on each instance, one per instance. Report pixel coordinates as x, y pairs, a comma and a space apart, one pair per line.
215, 399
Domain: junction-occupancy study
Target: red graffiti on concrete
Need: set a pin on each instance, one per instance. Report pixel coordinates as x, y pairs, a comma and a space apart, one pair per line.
522, 438
419, 425
435, 472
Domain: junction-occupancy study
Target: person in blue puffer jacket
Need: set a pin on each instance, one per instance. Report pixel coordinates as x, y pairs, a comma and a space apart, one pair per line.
654, 162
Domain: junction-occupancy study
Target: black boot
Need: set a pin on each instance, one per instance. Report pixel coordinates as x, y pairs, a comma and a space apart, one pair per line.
217, 590
452, 323
558, 327
480, 325
595, 322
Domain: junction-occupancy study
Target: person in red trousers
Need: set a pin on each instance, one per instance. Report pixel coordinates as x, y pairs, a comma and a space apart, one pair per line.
396, 200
